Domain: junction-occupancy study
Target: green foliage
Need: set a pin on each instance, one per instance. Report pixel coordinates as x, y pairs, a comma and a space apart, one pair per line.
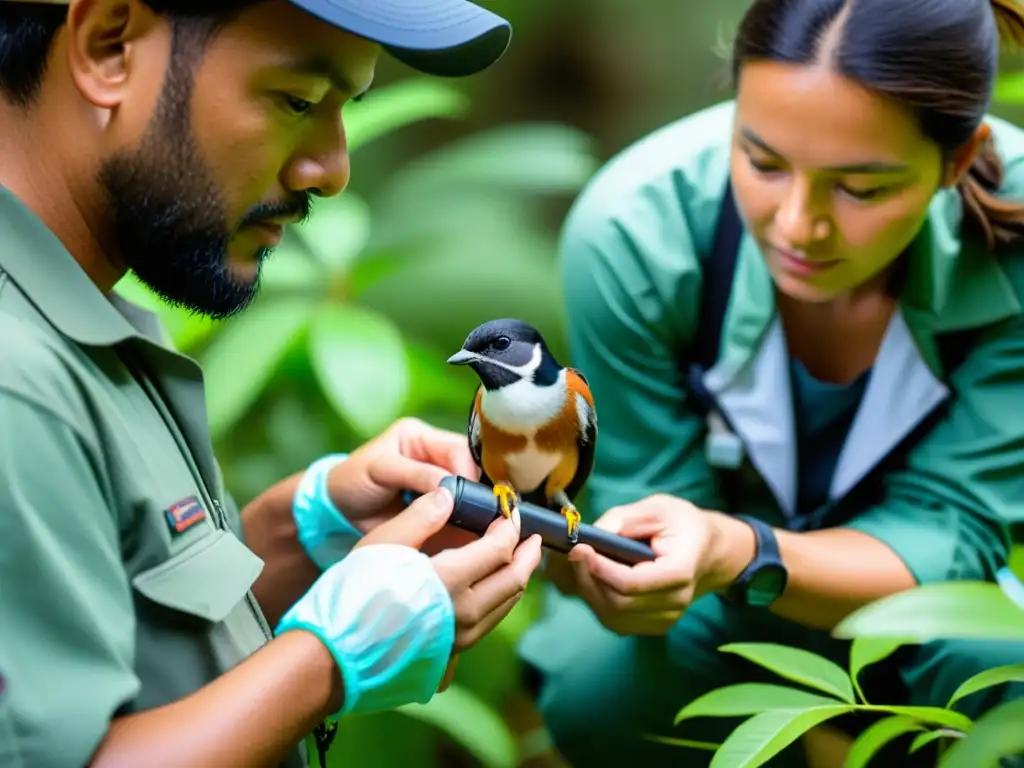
359, 308
778, 714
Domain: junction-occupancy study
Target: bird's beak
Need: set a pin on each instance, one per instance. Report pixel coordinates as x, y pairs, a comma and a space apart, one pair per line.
462, 357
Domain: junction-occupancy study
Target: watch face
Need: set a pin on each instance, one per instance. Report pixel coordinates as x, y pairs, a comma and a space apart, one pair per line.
765, 585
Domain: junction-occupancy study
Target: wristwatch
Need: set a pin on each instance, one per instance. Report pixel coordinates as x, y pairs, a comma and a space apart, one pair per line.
764, 579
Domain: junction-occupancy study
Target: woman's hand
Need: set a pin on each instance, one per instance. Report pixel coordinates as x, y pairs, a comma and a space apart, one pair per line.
697, 552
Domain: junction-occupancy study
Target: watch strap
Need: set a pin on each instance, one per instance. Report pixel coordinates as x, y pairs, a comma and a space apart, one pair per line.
766, 553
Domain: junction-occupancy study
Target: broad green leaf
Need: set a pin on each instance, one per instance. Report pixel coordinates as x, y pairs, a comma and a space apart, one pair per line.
865, 651
243, 357
876, 736
798, 665
1010, 88
1017, 561
995, 676
937, 611
1011, 584
337, 231
681, 742
750, 699
757, 740
527, 158
360, 361
436, 382
937, 715
471, 723
291, 269
924, 739
998, 733
392, 107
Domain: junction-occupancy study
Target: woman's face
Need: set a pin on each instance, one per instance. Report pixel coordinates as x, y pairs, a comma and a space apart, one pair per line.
832, 180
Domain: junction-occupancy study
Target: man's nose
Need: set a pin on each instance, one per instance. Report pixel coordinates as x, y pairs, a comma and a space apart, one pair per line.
324, 169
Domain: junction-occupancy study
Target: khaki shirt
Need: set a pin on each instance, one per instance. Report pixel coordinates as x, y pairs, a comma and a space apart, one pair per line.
124, 582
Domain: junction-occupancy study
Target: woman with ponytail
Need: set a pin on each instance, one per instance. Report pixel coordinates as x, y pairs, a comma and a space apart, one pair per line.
801, 313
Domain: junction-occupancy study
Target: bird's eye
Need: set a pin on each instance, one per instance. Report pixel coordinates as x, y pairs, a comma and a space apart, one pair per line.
502, 342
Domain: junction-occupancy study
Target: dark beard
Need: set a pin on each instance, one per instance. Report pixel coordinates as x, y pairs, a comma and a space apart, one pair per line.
169, 223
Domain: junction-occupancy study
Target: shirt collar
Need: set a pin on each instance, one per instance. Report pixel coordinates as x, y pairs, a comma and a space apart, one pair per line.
36, 260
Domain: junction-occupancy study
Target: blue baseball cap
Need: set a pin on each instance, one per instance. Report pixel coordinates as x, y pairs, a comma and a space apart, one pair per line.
446, 38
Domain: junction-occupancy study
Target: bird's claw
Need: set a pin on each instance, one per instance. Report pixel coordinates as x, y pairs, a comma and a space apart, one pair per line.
507, 498
572, 518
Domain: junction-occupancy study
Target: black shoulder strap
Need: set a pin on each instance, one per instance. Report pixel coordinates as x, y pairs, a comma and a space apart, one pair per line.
718, 269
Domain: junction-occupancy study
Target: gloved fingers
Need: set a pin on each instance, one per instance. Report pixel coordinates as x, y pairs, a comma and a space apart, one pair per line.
416, 523
461, 568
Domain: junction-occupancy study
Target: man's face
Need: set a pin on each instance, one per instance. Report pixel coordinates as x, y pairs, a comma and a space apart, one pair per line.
240, 138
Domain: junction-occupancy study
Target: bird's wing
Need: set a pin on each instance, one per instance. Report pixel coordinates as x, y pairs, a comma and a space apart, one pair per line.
586, 435
473, 428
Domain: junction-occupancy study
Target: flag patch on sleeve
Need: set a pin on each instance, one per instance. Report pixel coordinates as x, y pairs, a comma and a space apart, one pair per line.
183, 514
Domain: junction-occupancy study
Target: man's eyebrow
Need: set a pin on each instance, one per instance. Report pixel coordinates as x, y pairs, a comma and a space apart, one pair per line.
323, 66
872, 166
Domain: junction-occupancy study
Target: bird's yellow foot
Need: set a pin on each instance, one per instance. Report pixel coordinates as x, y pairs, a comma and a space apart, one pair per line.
572, 517
507, 498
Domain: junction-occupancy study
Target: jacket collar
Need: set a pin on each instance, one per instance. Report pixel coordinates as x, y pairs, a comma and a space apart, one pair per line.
37, 261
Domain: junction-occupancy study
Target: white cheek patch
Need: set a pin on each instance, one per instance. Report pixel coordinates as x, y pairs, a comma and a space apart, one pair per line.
523, 371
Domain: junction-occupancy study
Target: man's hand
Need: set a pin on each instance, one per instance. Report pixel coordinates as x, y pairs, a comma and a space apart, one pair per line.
693, 558
409, 455
486, 577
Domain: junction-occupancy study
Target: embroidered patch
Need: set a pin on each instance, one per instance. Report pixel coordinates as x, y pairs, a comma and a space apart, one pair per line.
183, 514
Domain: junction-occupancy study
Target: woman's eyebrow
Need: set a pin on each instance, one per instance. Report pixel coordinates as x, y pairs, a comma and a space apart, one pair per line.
869, 166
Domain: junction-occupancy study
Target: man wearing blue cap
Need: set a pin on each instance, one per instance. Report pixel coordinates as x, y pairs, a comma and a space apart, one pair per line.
144, 620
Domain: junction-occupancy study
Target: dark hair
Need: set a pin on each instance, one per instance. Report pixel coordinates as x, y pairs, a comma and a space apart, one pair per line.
937, 57
27, 32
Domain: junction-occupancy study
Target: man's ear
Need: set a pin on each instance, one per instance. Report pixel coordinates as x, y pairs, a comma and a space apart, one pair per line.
962, 159
101, 46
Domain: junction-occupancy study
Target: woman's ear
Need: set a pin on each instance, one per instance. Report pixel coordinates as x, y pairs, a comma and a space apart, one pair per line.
101, 37
962, 159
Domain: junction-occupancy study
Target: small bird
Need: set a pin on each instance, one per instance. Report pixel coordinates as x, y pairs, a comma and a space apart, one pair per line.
532, 425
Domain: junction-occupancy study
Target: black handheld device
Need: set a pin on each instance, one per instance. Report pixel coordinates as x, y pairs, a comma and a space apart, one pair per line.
476, 507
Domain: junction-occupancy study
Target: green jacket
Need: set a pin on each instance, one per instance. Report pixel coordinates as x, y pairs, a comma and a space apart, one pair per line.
124, 582
632, 252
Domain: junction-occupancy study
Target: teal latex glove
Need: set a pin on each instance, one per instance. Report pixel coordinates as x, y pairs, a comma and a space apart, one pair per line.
388, 620
322, 529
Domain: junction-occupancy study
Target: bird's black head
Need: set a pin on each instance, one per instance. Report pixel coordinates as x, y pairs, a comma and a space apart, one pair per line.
505, 351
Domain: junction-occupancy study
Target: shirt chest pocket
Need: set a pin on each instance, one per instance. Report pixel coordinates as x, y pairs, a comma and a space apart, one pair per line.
207, 579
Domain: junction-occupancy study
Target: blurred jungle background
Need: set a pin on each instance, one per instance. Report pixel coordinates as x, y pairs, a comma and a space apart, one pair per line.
451, 218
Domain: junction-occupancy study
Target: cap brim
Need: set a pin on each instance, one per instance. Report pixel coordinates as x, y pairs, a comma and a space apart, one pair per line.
446, 38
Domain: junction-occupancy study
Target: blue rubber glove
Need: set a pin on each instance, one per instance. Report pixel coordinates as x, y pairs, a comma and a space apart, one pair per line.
324, 532
388, 620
